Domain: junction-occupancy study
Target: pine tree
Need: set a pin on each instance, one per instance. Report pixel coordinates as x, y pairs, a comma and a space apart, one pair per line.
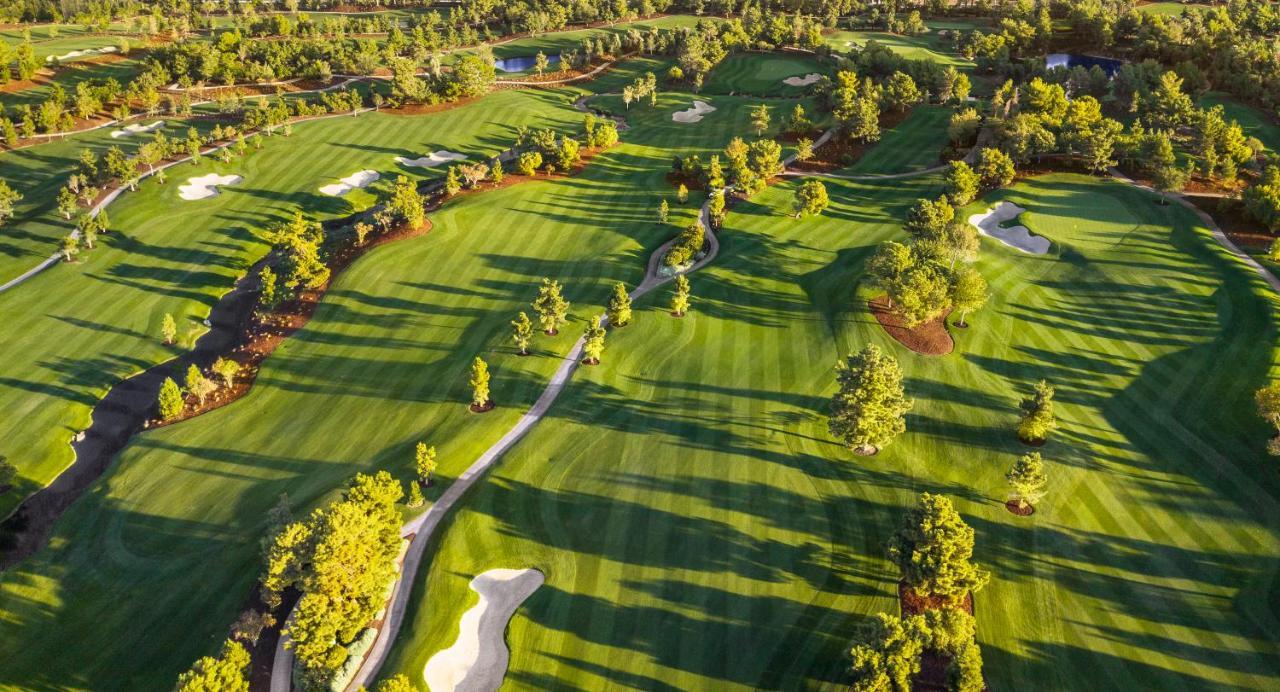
680, 299
522, 332
593, 343
933, 551
169, 329
226, 673
1027, 479
551, 307
424, 462
170, 400
664, 211
480, 385
619, 310
869, 409
1037, 415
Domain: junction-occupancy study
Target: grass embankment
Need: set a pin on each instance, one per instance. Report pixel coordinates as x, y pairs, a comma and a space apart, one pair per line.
699, 528
75, 330
164, 549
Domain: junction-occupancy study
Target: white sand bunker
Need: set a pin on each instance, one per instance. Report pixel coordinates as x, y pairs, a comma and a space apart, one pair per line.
349, 183
435, 158
1019, 237
802, 81
694, 114
136, 129
81, 53
205, 186
477, 661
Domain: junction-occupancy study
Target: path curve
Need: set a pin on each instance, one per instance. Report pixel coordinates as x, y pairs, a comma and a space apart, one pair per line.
424, 526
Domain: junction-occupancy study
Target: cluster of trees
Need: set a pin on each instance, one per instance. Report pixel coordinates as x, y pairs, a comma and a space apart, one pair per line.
172, 399
891, 70
750, 166
341, 558
687, 248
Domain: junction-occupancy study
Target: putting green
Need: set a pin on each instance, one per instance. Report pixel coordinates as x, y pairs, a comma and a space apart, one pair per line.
699, 528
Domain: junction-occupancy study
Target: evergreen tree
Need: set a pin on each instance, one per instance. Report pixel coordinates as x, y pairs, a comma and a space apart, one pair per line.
480, 385
551, 307
593, 342
886, 655
1267, 400
933, 551
226, 673
522, 332
664, 211
452, 181
396, 683
424, 462
1027, 479
407, 203
961, 183
619, 309
415, 496
680, 299
168, 329
170, 401
760, 119
869, 408
1037, 414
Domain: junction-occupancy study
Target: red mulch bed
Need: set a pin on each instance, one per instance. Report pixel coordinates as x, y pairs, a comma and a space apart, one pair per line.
488, 406
1020, 510
1234, 220
929, 338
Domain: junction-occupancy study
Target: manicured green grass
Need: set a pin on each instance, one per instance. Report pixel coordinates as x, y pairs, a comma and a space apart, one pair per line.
1170, 8
69, 76
914, 145
75, 330
64, 45
699, 529
563, 41
762, 74
164, 547
927, 46
1254, 122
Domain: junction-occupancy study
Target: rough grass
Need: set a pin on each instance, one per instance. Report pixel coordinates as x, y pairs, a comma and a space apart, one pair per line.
699, 529
164, 547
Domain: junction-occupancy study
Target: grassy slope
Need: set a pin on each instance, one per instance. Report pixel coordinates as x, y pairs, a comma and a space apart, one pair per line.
1253, 122
75, 330
927, 46
164, 548
69, 76
761, 74
561, 41
915, 144
699, 529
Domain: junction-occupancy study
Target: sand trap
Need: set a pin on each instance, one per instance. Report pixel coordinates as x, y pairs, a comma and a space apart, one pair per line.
435, 158
128, 130
205, 186
802, 81
349, 183
477, 661
1018, 237
81, 53
694, 114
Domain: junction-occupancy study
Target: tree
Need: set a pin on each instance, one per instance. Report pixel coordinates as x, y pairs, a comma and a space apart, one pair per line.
170, 400
67, 203
70, 246
407, 203
682, 194
664, 211
886, 654
1037, 414
619, 309
928, 219
1027, 479
804, 149
1263, 199
680, 299
479, 382
452, 182
540, 63
197, 385
496, 174
811, 198
168, 329
396, 683
551, 307
522, 332
869, 408
995, 168
593, 342
424, 463
887, 266
901, 92
933, 551
248, 627
226, 673
1267, 400
964, 127
961, 183
226, 370
760, 119
415, 496
968, 293
527, 163
8, 198
921, 293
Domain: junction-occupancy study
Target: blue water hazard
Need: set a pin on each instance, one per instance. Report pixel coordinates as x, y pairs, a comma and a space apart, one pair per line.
522, 63
1069, 60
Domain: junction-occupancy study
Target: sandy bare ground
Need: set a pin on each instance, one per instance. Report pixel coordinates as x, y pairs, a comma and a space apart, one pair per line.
477, 660
136, 129
81, 53
431, 160
205, 186
359, 179
1017, 237
694, 114
806, 80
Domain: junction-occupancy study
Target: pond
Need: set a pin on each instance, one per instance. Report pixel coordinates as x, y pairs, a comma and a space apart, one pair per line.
522, 63
1070, 60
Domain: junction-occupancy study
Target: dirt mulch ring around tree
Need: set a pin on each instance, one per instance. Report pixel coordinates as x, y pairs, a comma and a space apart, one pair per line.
929, 338
1020, 510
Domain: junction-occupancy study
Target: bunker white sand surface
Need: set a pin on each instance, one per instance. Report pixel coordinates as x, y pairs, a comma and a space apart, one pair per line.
81, 53
802, 81
136, 129
694, 114
435, 158
1018, 237
477, 661
205, 186
355, 180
